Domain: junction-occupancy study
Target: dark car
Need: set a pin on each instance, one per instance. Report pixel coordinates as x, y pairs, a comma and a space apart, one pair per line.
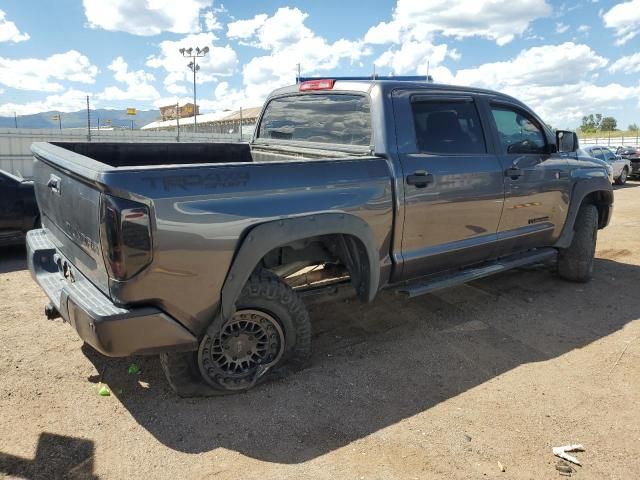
18, 209
631, 153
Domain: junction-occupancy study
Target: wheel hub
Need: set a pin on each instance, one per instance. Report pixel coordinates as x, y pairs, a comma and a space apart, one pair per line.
249, 340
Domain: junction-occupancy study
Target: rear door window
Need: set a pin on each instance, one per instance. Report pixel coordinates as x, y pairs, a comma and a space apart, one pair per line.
518, 132
608, 155
448, 128
321, 118
597, 152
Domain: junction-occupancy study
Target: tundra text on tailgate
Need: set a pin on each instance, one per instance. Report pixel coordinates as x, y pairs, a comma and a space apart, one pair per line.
207, 253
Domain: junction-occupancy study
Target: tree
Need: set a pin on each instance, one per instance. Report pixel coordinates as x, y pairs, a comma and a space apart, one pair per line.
633, 127
608, 124
591, 122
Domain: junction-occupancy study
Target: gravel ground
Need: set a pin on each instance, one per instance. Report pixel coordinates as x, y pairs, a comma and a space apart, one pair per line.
447, 385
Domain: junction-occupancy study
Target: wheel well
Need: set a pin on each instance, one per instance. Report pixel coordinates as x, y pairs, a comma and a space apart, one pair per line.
320, 260
602, 200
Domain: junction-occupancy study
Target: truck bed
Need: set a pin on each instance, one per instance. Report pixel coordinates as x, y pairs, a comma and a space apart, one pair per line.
202, 200
126, 155
119, 155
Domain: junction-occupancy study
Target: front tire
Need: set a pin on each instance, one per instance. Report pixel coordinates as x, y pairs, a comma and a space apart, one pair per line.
270, 330
575, 263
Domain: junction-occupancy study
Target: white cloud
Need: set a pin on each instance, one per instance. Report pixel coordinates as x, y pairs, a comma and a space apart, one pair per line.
415, 24
497, 20
146, 17
285, 28
555, 80
561, 27
384, 32
584, 28
629, 64
70, 101
413, 57
41, 74
220, 61
288, 42
227, 98
211, 22
624, 18
138, 86
177, 89
9, 32
244, 29
547, 65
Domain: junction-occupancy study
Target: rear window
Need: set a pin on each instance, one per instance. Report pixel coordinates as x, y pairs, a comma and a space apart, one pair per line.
322, 118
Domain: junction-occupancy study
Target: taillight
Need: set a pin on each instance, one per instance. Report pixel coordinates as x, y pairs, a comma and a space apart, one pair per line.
125, 237
326, 84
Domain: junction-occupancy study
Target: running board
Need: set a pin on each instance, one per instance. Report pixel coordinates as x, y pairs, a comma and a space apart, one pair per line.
438, 282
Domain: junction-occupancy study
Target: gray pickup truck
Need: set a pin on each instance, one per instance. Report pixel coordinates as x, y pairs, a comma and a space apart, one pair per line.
205, 253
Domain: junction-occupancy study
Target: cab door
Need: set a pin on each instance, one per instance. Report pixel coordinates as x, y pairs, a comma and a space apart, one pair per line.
452, 182
536, 180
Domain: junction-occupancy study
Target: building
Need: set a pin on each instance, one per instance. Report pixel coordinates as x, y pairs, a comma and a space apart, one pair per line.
227, 122
169, 112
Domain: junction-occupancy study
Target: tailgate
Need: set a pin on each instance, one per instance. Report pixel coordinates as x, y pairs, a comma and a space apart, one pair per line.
70, 212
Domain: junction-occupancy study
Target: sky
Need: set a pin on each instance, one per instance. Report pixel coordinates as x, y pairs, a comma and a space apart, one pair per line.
564, 59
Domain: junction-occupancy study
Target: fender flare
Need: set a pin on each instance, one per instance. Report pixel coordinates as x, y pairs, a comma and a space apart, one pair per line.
265, 237
584, 187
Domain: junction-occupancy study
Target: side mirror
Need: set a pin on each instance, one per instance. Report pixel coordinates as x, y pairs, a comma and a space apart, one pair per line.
567, 141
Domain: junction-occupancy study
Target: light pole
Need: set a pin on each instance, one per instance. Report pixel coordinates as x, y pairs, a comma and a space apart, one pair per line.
194, 67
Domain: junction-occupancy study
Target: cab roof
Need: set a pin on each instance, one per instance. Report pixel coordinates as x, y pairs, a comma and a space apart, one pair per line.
386, 84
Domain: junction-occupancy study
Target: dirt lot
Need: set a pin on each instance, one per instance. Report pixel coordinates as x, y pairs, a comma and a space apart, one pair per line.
443, 386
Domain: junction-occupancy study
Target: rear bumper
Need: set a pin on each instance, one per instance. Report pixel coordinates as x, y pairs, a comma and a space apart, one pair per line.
112, 330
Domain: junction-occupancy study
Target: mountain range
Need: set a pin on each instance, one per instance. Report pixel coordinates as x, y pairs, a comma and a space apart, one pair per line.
118, 118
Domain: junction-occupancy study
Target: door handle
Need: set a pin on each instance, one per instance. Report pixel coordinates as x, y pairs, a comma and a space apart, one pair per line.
420, 179
514, 173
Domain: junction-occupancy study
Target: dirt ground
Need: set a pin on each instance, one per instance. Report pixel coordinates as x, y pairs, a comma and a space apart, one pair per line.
443, 386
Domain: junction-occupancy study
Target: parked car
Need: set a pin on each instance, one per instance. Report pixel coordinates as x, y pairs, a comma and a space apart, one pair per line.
632, 154
620, 167
204, 253
18, 208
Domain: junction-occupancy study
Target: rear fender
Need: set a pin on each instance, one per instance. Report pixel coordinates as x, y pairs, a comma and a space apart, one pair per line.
263, 238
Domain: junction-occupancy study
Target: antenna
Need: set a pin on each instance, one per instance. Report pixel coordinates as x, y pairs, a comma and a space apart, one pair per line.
298, 77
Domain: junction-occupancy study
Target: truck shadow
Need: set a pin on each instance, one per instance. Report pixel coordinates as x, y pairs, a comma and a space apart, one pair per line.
56, 456
375, 365
13, 258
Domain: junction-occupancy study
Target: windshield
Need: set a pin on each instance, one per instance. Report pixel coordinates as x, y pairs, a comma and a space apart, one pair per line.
322, 118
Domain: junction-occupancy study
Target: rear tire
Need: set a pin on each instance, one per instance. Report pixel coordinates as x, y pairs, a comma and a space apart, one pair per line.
270, 330
575, 263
